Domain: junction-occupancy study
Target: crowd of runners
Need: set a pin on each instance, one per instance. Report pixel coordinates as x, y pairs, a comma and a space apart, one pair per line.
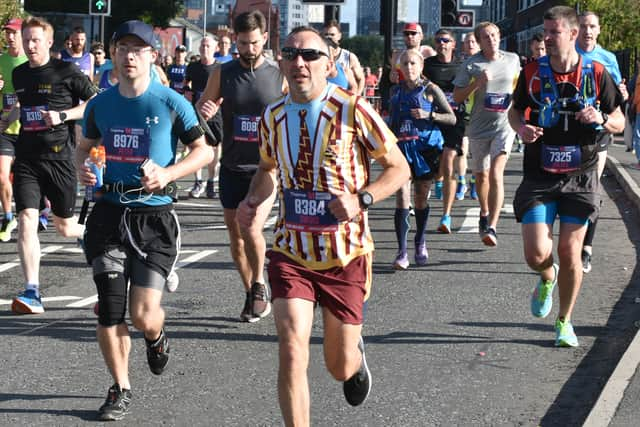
298, 128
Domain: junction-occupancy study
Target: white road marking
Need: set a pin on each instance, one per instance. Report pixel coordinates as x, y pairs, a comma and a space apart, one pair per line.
470, 223
268, 224
16, 262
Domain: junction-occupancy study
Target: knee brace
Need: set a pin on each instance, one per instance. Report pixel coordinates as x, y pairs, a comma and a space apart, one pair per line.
112, 295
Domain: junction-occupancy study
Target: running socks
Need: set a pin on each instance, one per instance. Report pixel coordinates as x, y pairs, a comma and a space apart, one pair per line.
422, 216
401, 224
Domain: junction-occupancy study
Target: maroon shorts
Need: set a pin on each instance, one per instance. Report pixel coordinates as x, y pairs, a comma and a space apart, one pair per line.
342, 290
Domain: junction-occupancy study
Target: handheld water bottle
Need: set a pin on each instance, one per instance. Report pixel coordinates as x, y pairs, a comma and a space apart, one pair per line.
96, 161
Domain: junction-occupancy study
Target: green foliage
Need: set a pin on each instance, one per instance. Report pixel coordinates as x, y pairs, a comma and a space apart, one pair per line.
619, 21
368, 49
8, 9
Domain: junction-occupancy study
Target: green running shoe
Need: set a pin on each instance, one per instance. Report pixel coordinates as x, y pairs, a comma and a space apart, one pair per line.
565, 337
542, 296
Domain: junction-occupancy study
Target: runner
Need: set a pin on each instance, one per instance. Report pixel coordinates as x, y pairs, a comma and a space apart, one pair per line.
489, 75
133, 232
469, 48
412, 38
14, 57
176, 71
346, 58
587, 46
196, 77
241, 89
76, 53
560, 161
322, 245
47, 89
224, 53
441, 69
417, 110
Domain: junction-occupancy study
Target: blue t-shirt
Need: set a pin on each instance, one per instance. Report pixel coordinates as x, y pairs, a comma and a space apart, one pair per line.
175, 74
134, 129
606, 58
340, 79
223, 58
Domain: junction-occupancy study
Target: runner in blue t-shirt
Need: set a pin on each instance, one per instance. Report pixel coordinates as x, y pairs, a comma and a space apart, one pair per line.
132, 233
176, 71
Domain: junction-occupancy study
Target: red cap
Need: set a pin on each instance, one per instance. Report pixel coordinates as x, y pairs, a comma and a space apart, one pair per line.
14, 24
412, 26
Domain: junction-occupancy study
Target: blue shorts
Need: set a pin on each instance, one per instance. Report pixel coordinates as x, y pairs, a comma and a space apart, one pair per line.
546, 214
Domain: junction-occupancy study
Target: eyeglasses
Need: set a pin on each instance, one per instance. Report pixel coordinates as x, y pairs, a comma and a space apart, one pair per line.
98, 52
136, 50
410, 33
291, 53
443, 40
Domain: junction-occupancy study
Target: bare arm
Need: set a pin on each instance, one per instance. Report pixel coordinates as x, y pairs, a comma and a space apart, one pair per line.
263, 184
210, 101
52, 118
200, 154
358, 74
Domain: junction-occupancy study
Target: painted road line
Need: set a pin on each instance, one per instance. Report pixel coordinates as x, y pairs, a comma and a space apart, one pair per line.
45, 299
268, 224
16, 262
470, 223
84, 302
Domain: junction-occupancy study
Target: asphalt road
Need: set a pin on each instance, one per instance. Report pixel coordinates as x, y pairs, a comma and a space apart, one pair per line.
451, 343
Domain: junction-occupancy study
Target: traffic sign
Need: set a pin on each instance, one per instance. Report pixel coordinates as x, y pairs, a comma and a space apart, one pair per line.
99, 7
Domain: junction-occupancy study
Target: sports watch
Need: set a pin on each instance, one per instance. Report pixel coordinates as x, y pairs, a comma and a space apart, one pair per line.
366, 199
63, 116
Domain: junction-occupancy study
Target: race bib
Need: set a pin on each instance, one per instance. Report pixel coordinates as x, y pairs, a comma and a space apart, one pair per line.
31, 118
8, 101
177, 85
561, 158
497, 102
407, 131
128, 145
452, 103
245, 128
308, 211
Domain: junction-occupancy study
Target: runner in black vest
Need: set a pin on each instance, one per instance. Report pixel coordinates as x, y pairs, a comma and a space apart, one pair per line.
241, 89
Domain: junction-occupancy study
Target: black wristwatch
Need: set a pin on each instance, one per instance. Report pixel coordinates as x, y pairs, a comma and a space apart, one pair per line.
605, 118
366, 199
63, 116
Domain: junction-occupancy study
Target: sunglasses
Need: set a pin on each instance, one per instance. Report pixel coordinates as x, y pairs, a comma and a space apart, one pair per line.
410, 33
291, 53
443, 40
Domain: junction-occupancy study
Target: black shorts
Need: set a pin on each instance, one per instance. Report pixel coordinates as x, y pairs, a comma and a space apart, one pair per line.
604, 140
432, 157
150, 235
577, 196
55, 179
8, 144
453, 137
234, 187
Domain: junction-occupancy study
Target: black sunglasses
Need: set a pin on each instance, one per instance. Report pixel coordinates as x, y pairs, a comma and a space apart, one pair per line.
443, 40
291, 53
410, 33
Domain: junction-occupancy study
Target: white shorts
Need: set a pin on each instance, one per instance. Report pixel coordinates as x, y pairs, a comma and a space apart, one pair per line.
484, 150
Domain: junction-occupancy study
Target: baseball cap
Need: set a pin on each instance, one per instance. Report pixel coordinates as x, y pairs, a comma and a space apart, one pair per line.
139, 29
412, 26
181, 48
14, 24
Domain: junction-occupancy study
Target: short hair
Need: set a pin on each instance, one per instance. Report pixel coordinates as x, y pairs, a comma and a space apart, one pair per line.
589, 13
78, 30
481, 26
333, 23
443, 31
97, 46
36, 21
306, 28
250, 21
537, 37
562, 12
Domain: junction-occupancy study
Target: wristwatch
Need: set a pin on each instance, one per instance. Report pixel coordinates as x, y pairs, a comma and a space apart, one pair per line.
366, 199
63, 116
605, 118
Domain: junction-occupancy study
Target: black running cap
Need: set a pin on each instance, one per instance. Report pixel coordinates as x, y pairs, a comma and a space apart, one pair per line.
139, 29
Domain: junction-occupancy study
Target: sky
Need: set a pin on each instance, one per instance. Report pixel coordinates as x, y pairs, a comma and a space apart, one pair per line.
349, 11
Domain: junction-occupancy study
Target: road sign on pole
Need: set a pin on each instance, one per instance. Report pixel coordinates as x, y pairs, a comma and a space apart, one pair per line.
100, 7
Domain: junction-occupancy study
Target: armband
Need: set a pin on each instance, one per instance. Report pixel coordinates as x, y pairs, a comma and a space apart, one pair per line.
192, 134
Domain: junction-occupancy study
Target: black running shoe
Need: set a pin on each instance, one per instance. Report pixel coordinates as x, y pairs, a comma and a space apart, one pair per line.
247, 310
158, 353
586, 261
357, 388
483, 225
117, 404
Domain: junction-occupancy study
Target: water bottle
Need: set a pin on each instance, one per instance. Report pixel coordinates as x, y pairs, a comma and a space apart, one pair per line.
96, 162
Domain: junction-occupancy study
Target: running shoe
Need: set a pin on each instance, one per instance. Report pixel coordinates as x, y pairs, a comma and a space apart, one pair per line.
445, 224
473, 194
173, 280
356, 389
586, 261
438, 192
565, 336
197, 190
422, 255
542, 296
490, 237
247, 310
27, 302
8, 225
158, 353
210, 190
402, 261
117, 404
461, 190
260, 301
483, 225
43, 222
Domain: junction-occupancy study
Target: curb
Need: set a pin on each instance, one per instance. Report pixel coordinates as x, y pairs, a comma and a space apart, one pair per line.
612, 394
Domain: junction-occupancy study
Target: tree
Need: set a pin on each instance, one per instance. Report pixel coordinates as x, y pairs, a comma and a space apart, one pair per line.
368, 49
8, 9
